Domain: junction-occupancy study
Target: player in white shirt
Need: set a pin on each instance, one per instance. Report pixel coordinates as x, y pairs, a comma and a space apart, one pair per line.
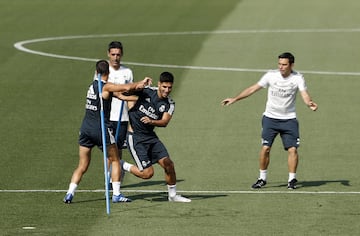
119, 74
280, 114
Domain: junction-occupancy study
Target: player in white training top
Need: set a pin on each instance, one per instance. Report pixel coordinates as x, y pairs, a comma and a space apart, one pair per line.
280, 114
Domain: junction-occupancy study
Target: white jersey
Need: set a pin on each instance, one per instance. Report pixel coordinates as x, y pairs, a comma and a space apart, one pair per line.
123, 75
281, 93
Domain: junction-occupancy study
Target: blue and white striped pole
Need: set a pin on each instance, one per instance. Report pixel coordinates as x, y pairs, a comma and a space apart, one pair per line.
102, 116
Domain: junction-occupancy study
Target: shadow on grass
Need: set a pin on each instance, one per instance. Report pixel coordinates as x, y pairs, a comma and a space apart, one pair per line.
148, 183
87, 200
155, 197
163, 197
316, 183
158, 196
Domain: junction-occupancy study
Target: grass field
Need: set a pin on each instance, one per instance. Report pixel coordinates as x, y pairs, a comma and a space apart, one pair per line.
215, 49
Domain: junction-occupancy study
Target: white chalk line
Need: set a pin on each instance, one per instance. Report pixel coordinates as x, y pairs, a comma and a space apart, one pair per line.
20, 46
211, 192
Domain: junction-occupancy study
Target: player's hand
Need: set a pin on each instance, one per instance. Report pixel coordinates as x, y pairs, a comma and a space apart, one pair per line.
145, 120
147, 81
313, 106
227, 101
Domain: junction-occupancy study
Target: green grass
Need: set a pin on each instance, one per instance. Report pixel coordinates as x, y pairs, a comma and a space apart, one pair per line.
215, 149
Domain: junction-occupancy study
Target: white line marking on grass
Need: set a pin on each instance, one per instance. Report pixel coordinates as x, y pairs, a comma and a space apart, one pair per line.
213, 192
20, 46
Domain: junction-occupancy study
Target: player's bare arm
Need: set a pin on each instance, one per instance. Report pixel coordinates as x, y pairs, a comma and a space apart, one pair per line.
245, 93
159, 123
122, 88
308, 101
125, 97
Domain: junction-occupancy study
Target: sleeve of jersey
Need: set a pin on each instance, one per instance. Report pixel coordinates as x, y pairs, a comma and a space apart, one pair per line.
131, 77
301, 83
171, 108
264, 80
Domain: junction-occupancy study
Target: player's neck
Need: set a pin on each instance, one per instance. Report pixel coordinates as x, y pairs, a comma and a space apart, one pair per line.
104, 78
116, 67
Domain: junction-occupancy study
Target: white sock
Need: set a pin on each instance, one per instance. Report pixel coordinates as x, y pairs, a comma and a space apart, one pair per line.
291, 176
116, 188
172, 190
72, 188
126, 166
263, 174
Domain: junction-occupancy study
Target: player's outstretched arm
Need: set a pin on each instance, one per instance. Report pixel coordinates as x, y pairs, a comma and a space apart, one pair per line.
245, 93
126, 88
125, 97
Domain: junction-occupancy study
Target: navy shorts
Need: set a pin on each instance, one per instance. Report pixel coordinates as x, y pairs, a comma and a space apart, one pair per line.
288, 130
93, 137
145, 152
121, 142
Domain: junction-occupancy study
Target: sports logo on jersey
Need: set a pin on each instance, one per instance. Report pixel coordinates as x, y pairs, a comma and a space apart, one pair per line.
91, 93
162, 108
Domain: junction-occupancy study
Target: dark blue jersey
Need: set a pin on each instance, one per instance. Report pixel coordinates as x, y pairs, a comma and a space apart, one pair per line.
149, 104
92, 119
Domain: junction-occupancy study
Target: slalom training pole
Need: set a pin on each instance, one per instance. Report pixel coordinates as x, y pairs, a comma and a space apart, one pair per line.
102, 116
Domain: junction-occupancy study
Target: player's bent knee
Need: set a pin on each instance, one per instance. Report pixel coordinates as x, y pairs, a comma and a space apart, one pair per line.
166, 163
147, 173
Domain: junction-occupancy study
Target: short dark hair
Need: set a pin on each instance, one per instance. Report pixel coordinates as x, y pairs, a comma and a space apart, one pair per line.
166, 77
289, 56
116, 44
102, 67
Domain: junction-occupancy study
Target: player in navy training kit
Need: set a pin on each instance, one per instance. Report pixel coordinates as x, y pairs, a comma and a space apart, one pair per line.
153, 107
143, 135
91, 134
